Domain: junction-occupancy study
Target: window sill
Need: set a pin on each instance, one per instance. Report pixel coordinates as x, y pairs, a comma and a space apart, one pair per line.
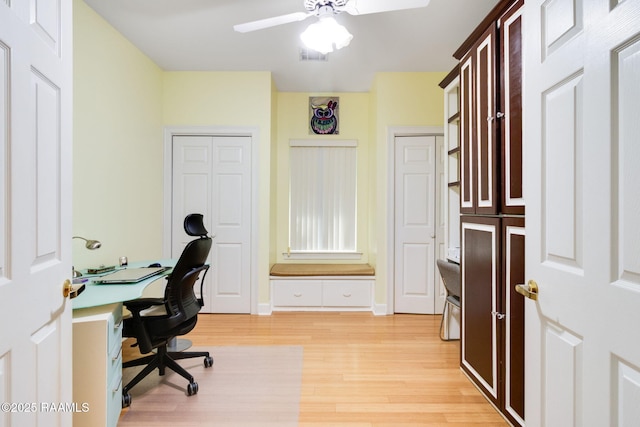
322, 255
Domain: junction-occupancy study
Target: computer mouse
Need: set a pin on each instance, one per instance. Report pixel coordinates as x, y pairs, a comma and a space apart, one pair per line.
155, 264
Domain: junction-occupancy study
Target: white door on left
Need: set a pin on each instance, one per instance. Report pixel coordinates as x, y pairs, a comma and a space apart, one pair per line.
35, 211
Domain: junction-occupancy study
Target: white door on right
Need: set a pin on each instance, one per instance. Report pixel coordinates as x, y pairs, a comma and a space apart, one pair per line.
415, 224
582, 188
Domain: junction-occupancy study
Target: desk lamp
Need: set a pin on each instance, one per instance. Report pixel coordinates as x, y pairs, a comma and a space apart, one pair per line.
91, 245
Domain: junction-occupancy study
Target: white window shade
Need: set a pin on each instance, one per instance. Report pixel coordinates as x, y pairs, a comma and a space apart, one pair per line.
322, 197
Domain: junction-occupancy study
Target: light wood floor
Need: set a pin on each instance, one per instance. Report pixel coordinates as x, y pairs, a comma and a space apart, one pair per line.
361, 370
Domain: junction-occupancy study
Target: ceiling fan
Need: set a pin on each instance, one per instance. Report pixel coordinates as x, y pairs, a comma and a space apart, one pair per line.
325, 10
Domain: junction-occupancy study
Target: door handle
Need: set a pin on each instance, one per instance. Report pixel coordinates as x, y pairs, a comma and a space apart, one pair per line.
530, 290
71, 291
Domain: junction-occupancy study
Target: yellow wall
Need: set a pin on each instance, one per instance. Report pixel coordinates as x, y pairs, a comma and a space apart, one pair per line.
398, 99
123, 102
293, 123
238, 99
218, 99
117, 149
273, 179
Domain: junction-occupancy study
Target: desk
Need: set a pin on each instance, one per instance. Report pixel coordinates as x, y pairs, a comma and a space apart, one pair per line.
97, 347
95, 295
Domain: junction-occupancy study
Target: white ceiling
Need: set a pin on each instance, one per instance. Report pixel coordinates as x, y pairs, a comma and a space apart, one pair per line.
197, 35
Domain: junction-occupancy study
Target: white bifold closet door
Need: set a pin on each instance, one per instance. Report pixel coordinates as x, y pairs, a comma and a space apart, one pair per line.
212, 176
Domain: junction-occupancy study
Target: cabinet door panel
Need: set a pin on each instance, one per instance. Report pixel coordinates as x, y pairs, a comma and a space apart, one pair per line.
467, 156
486, 144
480, 293
512, 201
513, 274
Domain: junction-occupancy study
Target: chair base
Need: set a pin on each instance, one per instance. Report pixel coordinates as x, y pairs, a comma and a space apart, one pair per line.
176, 345
161, 360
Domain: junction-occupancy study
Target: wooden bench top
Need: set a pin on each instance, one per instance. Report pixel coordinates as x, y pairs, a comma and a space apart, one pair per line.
292, 270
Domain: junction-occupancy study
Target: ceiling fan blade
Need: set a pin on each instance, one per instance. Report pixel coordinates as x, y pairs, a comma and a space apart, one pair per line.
271, 22
363, 7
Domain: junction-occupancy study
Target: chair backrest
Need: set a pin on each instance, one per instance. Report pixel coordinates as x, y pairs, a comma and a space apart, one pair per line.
180, 300
450, 273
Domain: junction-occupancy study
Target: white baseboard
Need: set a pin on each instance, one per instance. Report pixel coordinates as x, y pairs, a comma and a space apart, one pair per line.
380, 310
265, 309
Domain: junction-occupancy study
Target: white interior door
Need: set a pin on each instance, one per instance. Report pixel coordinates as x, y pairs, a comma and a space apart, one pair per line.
582, 185
35, 211
415, 224
212, 176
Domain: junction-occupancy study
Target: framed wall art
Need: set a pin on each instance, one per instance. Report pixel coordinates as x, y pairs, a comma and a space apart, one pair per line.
324, 115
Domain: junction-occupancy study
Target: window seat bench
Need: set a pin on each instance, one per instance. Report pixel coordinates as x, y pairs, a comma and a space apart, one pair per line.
322, 287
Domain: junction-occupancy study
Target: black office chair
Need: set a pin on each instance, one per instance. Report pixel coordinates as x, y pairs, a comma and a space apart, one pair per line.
156, 321
450, 273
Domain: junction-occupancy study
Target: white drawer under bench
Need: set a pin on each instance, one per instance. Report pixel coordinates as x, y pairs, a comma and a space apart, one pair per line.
322, 287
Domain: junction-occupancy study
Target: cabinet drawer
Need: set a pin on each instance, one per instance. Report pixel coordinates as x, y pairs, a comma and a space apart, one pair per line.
114, 362
114, 399
291, 293
346, 293
114, 328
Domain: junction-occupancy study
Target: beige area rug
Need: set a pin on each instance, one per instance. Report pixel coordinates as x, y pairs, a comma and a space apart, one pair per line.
246, 386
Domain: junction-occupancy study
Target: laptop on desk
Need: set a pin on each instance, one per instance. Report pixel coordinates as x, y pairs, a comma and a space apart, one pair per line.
130, 275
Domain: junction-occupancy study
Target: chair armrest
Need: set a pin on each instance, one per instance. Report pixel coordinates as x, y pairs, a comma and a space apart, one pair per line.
137, 305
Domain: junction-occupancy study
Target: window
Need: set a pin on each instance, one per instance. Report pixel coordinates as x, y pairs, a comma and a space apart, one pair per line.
322, 196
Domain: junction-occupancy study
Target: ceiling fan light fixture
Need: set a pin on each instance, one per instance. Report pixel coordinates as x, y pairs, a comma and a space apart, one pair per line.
323, 35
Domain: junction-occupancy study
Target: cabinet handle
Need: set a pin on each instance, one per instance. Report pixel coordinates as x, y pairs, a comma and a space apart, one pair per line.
346, 295
498, 116
499, 316
297, 295
113, 359
119, 386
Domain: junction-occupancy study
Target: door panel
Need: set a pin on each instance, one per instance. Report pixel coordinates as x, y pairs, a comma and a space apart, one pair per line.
580, 117
485, 143
35, 210
480, 285
514, 357
231, 292
212, 176
512, 200
467, 153
415, 224
416, 272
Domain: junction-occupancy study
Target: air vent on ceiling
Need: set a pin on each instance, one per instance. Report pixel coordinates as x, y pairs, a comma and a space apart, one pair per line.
312, 55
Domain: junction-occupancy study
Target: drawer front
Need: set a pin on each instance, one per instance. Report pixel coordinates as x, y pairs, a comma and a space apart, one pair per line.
114, 367
114, 399
346, 293
291, 293
114, 328
114, 362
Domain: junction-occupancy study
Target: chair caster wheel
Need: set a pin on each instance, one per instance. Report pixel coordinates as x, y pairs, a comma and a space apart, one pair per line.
192, 388
126, 400
208, 362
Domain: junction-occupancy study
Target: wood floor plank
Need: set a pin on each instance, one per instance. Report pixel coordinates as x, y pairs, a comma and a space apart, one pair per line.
361, 370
